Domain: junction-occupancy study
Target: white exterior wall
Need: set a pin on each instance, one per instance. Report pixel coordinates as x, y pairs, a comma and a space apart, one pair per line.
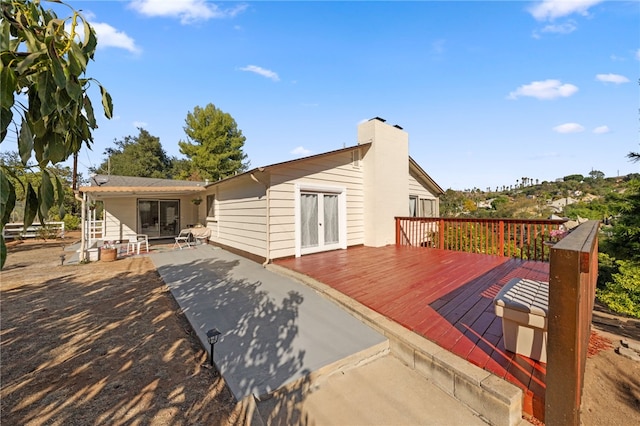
333, 171
386, 178
121, 214
240, 215
120, 218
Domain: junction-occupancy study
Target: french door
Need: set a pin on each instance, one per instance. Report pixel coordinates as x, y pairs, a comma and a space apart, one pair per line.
319, 222
158, 218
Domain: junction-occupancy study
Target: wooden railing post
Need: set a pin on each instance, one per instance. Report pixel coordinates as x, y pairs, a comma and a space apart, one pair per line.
573, 272
441, 234
501, 238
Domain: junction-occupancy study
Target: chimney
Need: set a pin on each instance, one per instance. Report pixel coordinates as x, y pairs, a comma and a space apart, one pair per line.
386, 179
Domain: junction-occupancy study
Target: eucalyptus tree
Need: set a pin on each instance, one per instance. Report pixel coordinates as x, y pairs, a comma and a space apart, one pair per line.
44, 102
214, 144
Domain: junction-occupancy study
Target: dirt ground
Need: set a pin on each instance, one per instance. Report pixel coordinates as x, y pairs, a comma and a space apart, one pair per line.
105, 344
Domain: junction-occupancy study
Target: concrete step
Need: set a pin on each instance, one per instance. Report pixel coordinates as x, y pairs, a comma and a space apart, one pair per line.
384, 391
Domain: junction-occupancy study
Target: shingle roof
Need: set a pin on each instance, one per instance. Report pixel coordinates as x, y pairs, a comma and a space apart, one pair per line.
134, 181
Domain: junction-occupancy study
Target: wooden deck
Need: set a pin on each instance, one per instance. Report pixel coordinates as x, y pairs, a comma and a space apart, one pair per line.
445, 296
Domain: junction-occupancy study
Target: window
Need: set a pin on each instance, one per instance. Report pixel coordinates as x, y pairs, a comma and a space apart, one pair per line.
421, 207
211, 206
413, 206
427, 207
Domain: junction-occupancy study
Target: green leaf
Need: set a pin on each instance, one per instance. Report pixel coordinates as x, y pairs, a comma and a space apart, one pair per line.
7, 197
5, 32
88, 107
46, 91
30, 205
57, 151
90, 41
8, 83
77, 64
25, 142
3, 252
47, 195
60, 193
5, 119
27, 62
56, 65
107, 103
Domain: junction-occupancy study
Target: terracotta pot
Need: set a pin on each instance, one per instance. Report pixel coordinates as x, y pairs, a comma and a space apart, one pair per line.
108, 254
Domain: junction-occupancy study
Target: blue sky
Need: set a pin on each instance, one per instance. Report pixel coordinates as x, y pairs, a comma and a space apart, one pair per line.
488, 91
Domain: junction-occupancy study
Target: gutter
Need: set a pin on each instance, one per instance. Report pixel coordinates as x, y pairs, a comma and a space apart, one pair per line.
83, 242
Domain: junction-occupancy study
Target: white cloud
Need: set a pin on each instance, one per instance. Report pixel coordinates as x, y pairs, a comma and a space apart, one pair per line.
569, 128
638, 54
548, 10
547, 89
612, 78
188, 11
261, 71
600, 130
140, 124
302, 151
566, 28
110, 37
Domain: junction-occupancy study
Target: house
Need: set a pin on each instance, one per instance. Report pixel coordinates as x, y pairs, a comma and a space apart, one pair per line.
328, 201
558, 205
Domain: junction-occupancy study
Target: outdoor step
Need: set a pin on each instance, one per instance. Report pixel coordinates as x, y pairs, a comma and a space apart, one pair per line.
384, 391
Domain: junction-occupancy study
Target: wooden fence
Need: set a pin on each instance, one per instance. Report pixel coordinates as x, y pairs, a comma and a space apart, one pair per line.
49, 230
573, 272
523, 238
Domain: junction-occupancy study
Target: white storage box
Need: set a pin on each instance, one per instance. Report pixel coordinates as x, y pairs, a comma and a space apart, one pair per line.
523, 305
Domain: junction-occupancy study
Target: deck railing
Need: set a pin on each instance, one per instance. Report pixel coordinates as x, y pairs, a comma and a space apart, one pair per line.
522, 238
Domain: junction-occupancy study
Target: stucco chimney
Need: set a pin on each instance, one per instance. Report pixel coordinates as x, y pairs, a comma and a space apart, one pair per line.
386, 179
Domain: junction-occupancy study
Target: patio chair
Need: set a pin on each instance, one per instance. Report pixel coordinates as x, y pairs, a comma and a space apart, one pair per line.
183, 239
136, 241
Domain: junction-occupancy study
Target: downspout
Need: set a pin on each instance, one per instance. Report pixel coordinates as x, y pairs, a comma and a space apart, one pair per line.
268, 217
83, 243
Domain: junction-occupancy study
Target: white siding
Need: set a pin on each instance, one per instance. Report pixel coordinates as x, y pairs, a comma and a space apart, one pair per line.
240, 220
334, 170
119, 218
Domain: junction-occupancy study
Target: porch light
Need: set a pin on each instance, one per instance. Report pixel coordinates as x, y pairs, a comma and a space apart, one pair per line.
212, 336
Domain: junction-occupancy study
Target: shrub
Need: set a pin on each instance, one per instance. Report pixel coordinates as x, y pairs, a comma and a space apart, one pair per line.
71, 223
622, 293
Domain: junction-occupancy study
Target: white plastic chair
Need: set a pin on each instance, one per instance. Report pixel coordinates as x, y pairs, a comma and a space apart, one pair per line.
183, 239
136, 241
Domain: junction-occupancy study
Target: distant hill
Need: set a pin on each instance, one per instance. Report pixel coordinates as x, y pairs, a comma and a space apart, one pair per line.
573, 196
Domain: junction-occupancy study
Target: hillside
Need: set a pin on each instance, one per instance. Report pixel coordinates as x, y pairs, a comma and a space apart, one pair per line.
573, 196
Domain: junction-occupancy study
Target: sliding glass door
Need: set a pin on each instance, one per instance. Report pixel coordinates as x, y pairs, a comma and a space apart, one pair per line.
158, 218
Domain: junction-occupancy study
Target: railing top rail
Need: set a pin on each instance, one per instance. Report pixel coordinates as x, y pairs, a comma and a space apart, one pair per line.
487, 220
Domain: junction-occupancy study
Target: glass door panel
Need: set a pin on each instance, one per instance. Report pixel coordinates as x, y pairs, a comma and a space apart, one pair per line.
148, 218
331, 230
309, 220
169, 215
